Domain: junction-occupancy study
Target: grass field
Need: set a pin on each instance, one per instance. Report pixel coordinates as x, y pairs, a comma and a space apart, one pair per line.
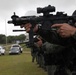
19, 65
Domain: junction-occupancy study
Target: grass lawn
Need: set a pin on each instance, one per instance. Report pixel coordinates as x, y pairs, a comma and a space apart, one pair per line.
19, 65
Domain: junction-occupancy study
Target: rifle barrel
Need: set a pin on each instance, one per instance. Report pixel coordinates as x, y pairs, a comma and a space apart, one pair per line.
18, 30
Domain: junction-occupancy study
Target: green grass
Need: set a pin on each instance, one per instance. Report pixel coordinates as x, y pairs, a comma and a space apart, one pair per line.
19, 65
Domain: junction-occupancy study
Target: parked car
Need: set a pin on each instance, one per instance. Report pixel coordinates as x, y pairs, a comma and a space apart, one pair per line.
2, 50
15, 49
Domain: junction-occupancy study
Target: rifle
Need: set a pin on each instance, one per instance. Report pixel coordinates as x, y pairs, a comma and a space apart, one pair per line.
45, 20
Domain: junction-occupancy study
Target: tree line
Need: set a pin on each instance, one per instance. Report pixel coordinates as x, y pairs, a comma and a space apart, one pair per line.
11, 39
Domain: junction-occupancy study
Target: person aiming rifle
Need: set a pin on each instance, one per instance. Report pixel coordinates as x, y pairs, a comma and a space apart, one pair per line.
64, 30
64, 33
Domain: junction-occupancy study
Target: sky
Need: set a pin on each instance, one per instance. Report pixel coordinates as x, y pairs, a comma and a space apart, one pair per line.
28, 7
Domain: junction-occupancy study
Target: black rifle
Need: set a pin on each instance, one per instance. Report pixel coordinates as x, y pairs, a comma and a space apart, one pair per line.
45, 20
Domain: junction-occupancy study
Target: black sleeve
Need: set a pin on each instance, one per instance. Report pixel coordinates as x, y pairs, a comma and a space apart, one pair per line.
53, 37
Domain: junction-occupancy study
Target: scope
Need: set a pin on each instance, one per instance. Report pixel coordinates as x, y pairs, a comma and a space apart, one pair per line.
44, 10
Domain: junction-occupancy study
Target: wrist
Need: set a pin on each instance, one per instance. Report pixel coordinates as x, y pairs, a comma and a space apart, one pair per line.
74, 34
73, 31
35, 28
38, 27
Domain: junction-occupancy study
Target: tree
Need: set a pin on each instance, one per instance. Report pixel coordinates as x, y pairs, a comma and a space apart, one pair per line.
13, 39
2, 39
21, 37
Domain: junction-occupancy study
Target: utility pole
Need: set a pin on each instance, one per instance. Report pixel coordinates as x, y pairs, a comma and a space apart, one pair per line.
6, 33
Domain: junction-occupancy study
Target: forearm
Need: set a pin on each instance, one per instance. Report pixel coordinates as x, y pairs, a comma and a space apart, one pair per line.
52, 37
53, 48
